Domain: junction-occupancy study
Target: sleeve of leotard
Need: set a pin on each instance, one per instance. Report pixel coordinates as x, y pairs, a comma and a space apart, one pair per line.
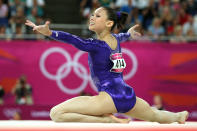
80, 43
123, 36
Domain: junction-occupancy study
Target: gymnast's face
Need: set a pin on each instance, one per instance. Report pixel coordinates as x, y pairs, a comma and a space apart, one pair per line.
99, 21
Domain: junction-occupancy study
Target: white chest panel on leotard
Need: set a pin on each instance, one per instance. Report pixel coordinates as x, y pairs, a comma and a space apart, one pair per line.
118, 61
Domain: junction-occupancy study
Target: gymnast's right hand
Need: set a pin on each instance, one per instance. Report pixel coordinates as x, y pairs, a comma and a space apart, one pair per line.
43, 29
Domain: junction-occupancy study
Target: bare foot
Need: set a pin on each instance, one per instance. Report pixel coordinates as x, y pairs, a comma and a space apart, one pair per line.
119, 120
183, 117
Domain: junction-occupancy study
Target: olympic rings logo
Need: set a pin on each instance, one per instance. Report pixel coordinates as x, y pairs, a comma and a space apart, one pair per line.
65, 69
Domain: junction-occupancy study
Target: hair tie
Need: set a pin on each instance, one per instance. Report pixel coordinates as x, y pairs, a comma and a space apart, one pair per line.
118, 14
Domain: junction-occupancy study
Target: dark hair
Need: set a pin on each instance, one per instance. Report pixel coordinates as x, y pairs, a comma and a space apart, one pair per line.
119, 18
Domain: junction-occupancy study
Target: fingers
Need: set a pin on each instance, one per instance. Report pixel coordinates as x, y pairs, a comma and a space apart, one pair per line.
47, 23
37, 28
138, 34
29, 23
34, 28
135, 26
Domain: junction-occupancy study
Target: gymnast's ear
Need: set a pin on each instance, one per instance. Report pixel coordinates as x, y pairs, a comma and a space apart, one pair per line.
109, 23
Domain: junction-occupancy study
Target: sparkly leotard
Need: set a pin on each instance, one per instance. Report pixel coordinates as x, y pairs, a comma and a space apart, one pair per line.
105, 75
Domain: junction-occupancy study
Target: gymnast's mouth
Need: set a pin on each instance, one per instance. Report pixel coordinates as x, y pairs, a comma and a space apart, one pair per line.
92, 23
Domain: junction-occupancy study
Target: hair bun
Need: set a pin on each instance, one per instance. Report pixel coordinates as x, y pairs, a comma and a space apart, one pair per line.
118, 13
121, 19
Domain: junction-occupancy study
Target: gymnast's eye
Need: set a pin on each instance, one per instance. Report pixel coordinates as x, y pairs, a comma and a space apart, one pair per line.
98, 16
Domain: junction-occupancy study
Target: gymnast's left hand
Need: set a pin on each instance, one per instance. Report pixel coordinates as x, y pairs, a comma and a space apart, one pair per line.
134, 34
43, 29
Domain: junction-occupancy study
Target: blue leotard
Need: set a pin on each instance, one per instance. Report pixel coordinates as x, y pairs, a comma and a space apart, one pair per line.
100, 63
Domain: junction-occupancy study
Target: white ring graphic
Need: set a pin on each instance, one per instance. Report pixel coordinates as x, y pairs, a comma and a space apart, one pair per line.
63, 87
49, 52
135, 64
75, 60
63, 71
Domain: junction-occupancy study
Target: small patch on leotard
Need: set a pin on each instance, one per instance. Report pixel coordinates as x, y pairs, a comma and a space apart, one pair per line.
119, 63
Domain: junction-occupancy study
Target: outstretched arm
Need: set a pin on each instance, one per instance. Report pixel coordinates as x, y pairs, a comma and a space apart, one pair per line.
82, 44
130, 33
134, 34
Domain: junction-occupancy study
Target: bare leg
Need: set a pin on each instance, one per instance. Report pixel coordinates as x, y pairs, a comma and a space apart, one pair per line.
143, 111
75, 117
86, 109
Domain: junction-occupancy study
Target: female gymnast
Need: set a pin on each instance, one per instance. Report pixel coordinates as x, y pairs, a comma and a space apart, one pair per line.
106, 66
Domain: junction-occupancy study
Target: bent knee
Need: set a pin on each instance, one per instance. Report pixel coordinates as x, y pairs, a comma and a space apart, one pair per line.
55, 114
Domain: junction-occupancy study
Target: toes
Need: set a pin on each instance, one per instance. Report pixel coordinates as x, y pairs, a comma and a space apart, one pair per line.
183, 117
